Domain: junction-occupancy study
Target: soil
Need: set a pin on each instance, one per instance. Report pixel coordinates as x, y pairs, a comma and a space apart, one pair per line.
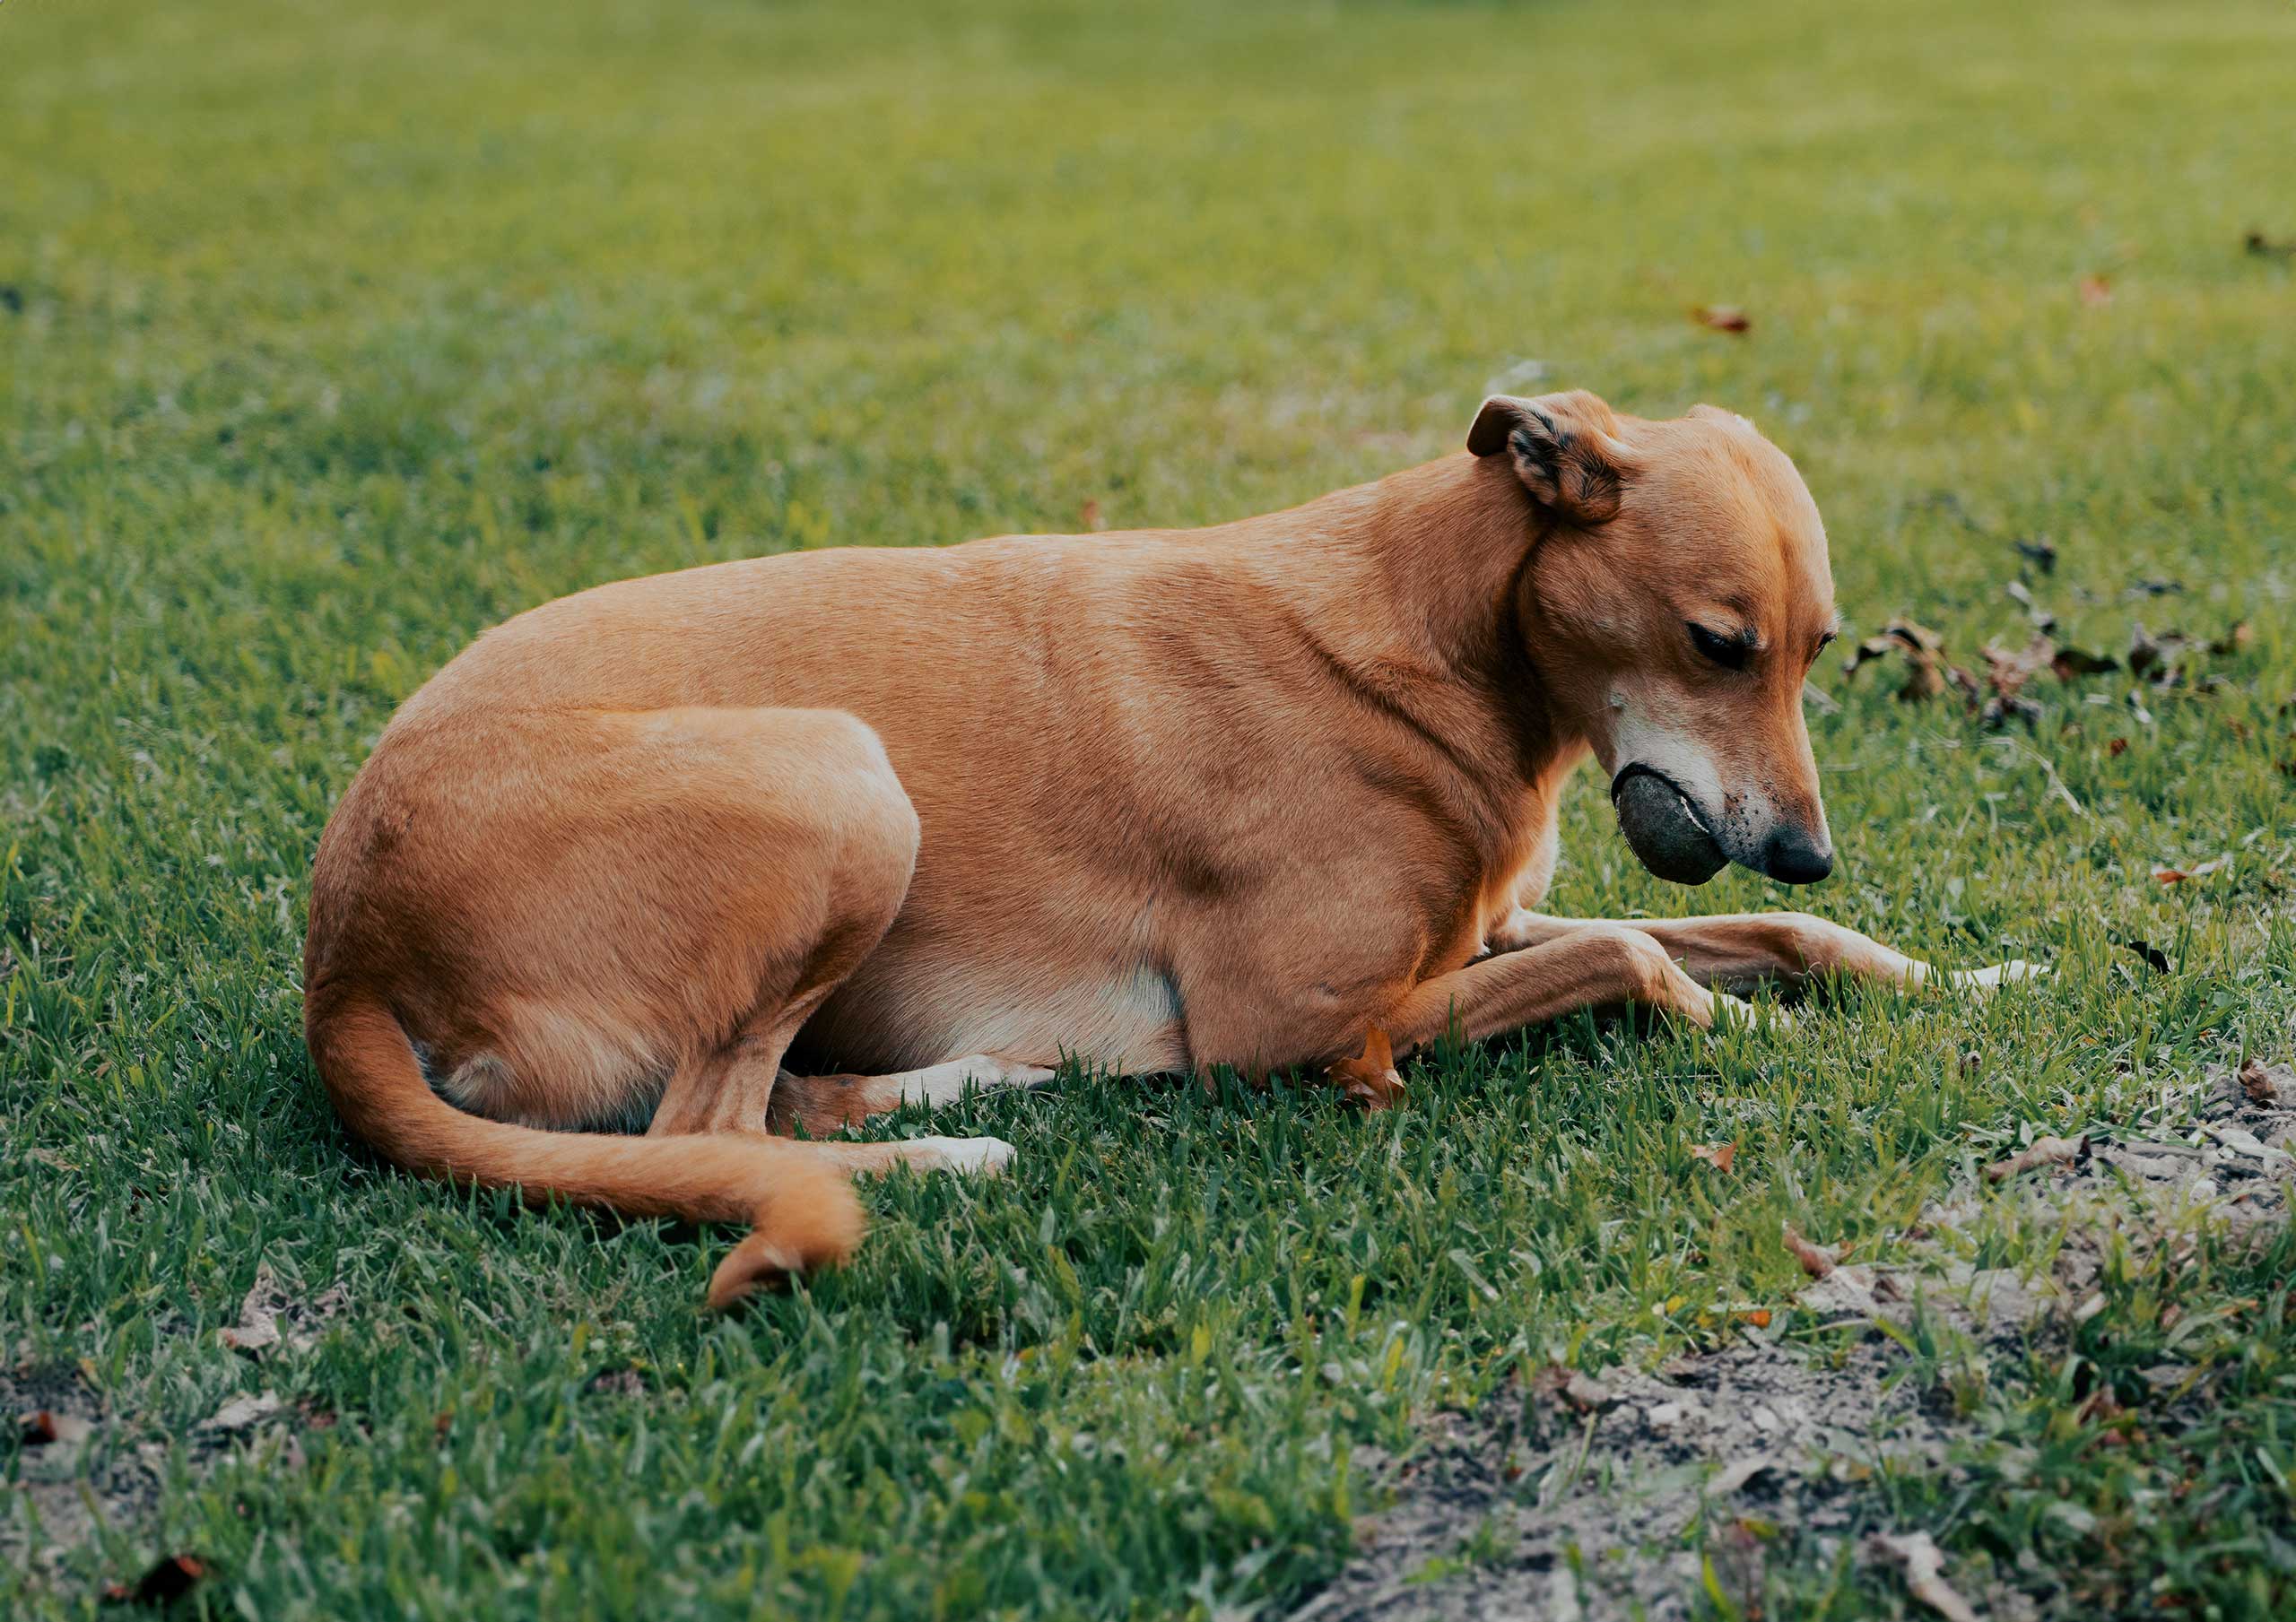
1571, 1498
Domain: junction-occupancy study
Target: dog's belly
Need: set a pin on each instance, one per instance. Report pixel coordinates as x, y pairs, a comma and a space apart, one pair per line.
895, 1014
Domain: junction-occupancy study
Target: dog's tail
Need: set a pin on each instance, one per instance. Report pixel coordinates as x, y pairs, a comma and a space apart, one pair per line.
802, 1208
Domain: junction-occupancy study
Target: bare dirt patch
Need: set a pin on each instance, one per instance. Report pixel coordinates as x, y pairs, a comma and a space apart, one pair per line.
1587, 1498
86, 1469
77, 1479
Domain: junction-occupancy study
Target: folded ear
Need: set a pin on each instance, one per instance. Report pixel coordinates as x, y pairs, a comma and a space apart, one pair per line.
1564, 447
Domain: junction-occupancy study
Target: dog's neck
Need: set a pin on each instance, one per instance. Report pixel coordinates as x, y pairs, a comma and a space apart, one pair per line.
1409, 588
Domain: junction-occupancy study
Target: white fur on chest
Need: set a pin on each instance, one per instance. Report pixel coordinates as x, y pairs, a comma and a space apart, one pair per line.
1130, 1022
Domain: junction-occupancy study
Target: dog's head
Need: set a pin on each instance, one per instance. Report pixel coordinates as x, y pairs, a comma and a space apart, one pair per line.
1676, 595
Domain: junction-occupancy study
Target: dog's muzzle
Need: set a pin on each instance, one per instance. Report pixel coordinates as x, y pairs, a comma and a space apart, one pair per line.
1663, 828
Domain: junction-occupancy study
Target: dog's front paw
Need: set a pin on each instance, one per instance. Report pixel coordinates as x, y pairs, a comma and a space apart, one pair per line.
1996, 975
972, 1156
1754, 1015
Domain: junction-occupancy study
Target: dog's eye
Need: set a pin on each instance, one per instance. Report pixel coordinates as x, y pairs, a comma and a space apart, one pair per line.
1731, 653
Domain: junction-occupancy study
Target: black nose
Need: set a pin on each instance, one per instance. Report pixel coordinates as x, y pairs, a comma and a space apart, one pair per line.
1793, 857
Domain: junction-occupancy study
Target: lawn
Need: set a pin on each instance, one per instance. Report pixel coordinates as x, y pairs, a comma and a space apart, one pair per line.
330, 336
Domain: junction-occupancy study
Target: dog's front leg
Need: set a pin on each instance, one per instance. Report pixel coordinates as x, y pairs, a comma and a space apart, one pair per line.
1740, 950
1586, 965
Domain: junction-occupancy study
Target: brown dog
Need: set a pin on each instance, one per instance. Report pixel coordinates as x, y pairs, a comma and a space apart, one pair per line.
1251, 794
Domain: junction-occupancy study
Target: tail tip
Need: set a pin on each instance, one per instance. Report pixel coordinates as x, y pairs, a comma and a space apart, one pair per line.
813, 1220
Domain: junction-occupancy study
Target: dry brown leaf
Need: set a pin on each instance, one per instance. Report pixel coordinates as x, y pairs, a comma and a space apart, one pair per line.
618, 1382
1717, 1155
165, 1584
2099, 1407
2096, 290
2069, 663
1722, 318
2022, 595
2256, 1081
2158, 659
256, 1330
1927, 673
2151, 953
2040, 1151
1815, 1260
242, 1413
1924, 1566
2178, 875
49, 1429
269, 1305
1586, 1394
1372, 1079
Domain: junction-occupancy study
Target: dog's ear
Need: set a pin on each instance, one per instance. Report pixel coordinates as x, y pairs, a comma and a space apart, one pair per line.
1565, 450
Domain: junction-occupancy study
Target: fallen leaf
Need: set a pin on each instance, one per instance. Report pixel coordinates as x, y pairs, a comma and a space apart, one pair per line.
2040, 553
2178, 875
2151, 953
1372, 1079
241, 1412
1732, 1477
2158, 659
1816, 1261
2023, 597
48, 1428
1759, 1317
2100, 1406
2069, 663
256, 1330
1924, 1566
1717, 1155
2040, 1151
269, 1305
166, 1583
2118, 746
1927, 673
2096, 290
1722, 318
2242, 1142
1586, 1394
2256, 1081
2265, 248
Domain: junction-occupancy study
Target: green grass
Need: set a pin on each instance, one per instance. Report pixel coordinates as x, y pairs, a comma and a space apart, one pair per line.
330, 337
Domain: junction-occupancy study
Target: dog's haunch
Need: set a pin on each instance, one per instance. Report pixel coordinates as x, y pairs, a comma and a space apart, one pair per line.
1665, 833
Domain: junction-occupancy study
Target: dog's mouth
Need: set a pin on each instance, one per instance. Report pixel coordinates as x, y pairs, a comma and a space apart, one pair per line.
1664, 827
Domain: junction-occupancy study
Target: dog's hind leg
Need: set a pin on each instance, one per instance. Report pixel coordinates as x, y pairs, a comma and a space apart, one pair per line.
1737, 951
559, 918
823, 1104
